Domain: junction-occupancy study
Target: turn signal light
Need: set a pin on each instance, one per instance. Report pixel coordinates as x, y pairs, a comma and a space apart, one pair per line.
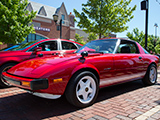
57, 80
24, 83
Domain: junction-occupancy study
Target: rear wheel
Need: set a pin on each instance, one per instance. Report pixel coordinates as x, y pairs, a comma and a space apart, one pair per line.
4, 68
151, 75
82, 90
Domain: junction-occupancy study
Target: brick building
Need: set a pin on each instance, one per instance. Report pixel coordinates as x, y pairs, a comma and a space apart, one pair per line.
44, 25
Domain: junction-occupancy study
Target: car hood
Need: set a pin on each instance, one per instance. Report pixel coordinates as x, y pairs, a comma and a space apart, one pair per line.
9, 53
36, 67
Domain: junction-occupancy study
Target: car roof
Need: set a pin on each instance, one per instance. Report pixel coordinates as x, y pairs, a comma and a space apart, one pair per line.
57, 39
111, 38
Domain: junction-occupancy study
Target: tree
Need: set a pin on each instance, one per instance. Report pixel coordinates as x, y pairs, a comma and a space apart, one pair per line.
105, 16
139, 37
157, 48
79, 39
14, 21
91, 36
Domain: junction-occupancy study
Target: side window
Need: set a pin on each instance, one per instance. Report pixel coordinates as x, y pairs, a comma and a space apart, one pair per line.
53, 45
68, 46
79, 46
146, 52
46, 46
127, 47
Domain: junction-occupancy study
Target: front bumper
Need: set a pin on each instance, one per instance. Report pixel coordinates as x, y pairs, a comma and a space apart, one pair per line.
45, 95
27, 83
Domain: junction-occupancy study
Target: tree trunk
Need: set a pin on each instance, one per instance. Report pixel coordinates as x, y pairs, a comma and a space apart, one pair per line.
99, 35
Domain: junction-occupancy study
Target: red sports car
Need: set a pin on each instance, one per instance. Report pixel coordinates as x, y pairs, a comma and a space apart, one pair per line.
39, 48
79, 76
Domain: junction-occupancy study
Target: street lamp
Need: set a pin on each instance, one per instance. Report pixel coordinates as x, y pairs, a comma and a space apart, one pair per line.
145, 6
155, 25
55, 18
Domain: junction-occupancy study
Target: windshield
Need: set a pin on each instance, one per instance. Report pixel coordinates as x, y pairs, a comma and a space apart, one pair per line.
105, 46
23, 46
8, 48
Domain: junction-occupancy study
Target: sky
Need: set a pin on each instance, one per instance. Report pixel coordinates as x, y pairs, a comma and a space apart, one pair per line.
137, 22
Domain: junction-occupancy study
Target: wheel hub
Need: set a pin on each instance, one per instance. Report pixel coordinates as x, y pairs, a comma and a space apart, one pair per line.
86, 89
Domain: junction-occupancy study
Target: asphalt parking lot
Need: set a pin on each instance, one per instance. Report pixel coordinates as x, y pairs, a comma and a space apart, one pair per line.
121, 102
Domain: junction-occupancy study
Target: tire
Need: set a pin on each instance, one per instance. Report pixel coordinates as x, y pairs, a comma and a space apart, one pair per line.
82, 89
4, 68
151, 75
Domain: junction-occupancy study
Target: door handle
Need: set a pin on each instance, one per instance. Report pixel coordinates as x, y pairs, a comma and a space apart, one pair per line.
40, 55
140, 58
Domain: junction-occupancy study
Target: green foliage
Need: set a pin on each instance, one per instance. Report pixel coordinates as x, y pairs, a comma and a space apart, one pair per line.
91, 37
79, 39
140, 38
104, 16
14, 21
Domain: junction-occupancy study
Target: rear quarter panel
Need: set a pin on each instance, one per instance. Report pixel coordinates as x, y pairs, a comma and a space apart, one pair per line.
148, 58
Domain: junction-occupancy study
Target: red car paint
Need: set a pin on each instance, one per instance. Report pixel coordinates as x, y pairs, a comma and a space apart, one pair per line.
109, 67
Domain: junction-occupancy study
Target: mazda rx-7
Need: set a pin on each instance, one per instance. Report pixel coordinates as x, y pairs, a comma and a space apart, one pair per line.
79, 76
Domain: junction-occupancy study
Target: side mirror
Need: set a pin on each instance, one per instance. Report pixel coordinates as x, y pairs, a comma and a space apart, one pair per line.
37, 49
84, 54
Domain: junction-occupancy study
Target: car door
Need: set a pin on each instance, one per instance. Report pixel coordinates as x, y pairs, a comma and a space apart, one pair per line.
104, 60
128, 61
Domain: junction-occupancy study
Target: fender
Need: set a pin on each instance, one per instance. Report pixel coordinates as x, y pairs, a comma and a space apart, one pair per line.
10, 59
82, 66
147, 62
152, 61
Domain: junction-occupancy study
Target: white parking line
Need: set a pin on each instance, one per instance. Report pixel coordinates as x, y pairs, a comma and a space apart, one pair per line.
148, 113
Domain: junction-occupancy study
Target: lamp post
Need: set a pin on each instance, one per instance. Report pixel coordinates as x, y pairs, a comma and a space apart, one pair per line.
55, 18
145, 6
155, 25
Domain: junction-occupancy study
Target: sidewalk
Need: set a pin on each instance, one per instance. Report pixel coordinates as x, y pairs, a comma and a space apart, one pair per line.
154, 113
129, 101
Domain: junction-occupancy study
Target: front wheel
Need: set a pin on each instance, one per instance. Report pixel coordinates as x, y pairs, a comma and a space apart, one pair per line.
82, 89
151, 75
4, 68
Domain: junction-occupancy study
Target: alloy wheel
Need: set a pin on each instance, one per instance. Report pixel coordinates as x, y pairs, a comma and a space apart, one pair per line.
86, 89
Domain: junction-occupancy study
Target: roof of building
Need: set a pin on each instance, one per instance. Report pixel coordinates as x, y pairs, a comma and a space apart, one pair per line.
42, 10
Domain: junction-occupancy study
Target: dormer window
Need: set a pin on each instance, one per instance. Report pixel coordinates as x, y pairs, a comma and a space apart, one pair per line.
29, 7
42, 11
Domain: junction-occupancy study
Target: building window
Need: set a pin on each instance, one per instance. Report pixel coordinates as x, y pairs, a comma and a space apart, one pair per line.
38, 37
63, 18
33, 37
